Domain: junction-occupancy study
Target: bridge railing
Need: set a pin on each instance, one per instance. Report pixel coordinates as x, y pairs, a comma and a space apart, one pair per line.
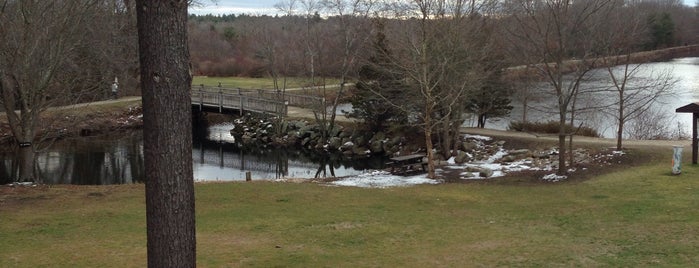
242, 102
299, 100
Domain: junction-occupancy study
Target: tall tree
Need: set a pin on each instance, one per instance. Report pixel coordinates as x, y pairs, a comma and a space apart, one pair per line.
548, 34
166, 78
39, 54
428, 50
492, 99
378, 80
632, 96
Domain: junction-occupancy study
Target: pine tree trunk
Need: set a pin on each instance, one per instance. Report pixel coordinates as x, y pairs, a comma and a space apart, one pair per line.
167, 132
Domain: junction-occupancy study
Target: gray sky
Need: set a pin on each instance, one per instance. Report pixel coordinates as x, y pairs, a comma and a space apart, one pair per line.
259, 7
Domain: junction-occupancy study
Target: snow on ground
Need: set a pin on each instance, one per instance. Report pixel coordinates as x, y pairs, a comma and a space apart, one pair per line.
483, 169
383, 179
477, 137
496, 163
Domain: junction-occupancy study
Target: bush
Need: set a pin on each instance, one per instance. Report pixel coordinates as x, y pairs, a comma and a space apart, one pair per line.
551, 127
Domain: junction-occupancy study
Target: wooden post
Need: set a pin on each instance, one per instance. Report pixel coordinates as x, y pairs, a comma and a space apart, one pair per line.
695, 117
248, 176
241, 104
201, 97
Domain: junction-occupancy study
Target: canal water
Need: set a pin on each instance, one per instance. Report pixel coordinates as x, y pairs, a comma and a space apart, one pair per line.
118, 159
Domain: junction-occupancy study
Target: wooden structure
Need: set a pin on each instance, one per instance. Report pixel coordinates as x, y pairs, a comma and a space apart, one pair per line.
692, 108
407, 164
230, 100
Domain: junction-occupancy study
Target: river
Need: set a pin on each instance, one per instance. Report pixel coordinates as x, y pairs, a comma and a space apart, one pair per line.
118, 159
685, 90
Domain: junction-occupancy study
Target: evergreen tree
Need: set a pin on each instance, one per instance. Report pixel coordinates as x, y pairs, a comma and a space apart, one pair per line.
490, 100
377, 81
662, 31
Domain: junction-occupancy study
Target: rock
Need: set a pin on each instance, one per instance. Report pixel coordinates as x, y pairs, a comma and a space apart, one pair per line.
335, 132
508, 158
344, 134
359, 141
520, 152
469, 146
306, 141
379, 136
485, 172
461, 157
377, 147
334, 143
360, 151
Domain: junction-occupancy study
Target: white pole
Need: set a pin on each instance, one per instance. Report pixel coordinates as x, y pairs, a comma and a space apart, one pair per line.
676, 160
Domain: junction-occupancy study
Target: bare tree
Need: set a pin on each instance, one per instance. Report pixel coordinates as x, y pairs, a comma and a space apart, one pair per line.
555, 36
633, 96
40, 47
352, 19
167, 131
428, 50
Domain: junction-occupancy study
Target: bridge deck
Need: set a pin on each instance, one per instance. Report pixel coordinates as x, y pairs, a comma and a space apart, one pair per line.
225, 100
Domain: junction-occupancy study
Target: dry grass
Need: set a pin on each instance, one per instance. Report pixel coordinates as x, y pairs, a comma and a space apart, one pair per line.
634, 216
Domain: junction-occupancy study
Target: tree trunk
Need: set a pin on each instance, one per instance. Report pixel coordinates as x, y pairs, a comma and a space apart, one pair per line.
481, 120
428, 143
562, 145
167, 131
620, 129
26, 162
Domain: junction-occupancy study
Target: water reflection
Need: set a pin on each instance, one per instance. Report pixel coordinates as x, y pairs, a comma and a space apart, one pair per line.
118, 159
685, 91
91, 160
216, 160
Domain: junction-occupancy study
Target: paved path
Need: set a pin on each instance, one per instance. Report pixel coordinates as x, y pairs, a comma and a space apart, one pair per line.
580, 139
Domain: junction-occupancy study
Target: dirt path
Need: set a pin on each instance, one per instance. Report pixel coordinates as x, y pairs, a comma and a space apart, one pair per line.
579, 139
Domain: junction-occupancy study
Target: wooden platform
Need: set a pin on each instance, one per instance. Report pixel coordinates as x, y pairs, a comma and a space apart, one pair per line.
408, 164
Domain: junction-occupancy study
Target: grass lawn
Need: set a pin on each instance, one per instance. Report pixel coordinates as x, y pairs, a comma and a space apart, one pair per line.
255, 83
631, 217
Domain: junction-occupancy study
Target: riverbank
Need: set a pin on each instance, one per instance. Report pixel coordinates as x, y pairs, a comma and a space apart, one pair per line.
631, 217
85, 119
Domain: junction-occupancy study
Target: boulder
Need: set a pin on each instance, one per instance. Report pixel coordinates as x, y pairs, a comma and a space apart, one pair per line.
334, 143
461, 157
485, 172
469, 146
376, 147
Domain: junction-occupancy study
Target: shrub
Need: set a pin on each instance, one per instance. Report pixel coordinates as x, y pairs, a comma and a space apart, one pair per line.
551, 127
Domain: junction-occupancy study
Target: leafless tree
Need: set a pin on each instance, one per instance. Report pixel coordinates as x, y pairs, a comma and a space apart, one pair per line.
555, 37
352, 19
633, 95
429, 49
40, 54
167, 131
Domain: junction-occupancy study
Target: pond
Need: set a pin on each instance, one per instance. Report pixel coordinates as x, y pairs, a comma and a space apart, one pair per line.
118, 159
684, 91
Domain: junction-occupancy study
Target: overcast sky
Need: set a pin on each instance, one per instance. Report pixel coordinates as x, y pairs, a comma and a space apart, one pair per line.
259, 7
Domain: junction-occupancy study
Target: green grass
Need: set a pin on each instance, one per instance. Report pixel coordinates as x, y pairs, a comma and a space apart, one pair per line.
639, 216
256, 83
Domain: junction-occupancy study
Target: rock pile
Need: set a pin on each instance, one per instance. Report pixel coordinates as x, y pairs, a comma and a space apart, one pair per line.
250, 131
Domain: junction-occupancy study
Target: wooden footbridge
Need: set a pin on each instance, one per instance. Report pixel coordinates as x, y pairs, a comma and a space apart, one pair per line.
237, 100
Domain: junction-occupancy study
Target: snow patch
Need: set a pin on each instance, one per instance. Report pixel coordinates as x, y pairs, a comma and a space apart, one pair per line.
383, 179
477, 137
554, 178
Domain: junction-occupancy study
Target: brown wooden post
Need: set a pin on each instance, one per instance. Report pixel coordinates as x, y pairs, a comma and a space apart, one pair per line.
695, 117
694, 109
